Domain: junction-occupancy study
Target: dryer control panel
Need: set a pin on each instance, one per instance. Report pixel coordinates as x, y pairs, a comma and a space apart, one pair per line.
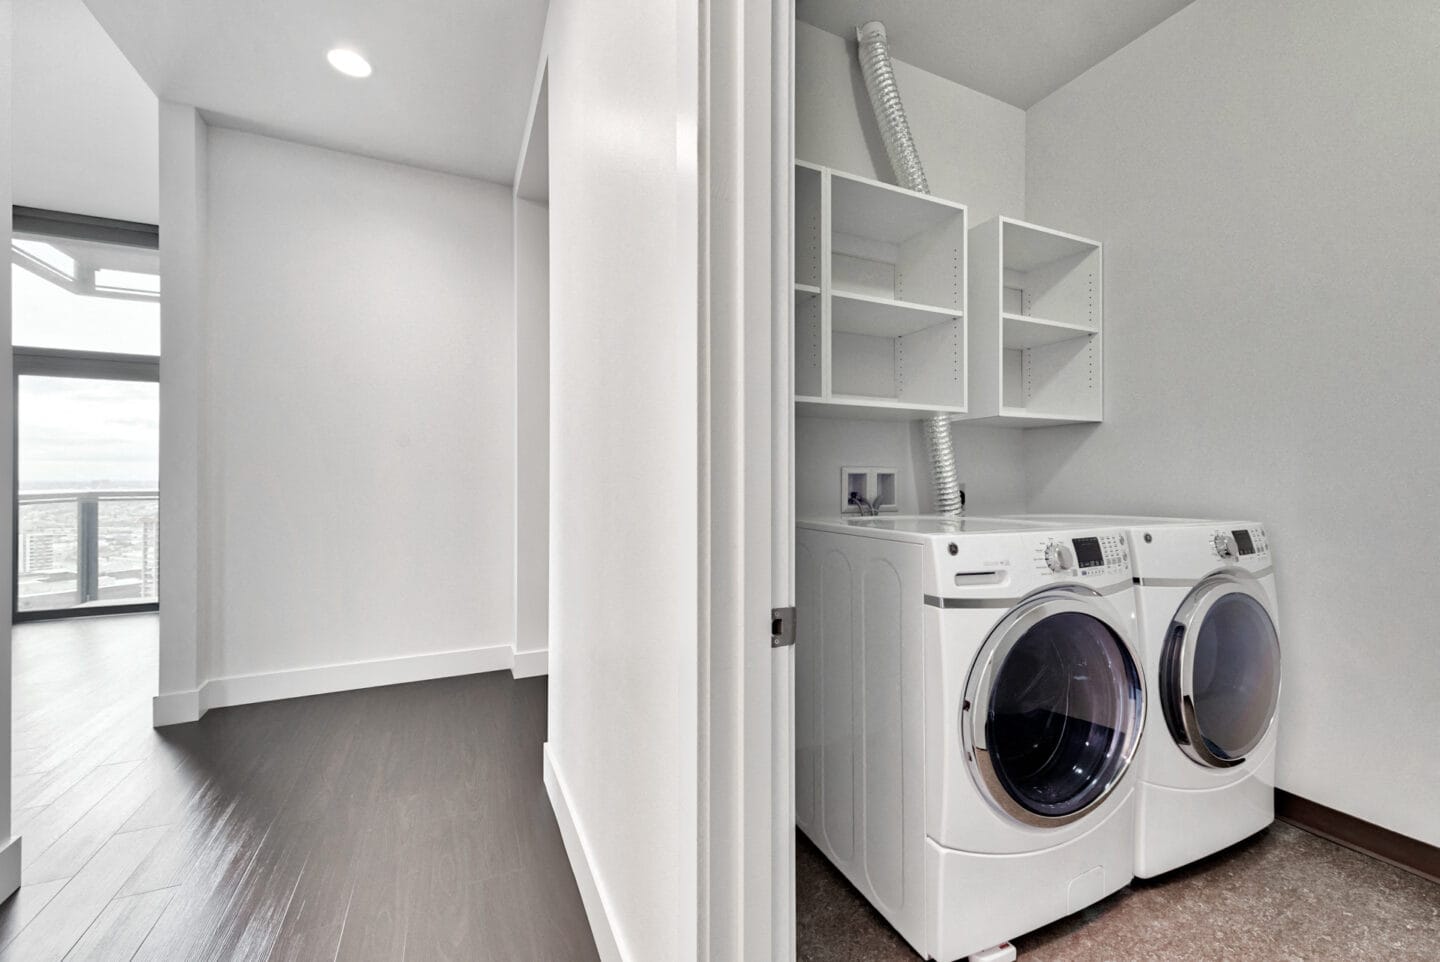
1090, 556
1240, 544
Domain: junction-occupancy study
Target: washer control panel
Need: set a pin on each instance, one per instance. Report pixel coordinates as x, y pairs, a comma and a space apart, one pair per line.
1236, 545
1084, 557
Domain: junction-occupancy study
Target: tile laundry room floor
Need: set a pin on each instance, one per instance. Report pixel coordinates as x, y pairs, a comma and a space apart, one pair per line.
1284, 895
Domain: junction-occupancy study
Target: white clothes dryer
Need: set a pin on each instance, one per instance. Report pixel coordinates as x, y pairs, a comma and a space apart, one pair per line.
969, 705
1208, 626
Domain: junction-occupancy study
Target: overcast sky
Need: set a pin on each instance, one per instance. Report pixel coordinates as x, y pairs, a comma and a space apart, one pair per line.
82, 433
77, 432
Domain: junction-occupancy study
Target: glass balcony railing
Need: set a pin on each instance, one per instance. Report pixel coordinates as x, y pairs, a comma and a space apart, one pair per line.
87, 549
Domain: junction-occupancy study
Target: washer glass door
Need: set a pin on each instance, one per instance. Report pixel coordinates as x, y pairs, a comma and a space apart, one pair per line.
1063, 707
1220, 672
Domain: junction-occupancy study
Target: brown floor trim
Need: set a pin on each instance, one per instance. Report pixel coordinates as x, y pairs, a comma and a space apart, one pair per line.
1364, 837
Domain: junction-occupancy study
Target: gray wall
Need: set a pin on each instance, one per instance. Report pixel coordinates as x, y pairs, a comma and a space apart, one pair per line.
973, 147
1265, 179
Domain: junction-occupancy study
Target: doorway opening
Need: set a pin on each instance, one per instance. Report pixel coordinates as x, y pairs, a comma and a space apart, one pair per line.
532, 383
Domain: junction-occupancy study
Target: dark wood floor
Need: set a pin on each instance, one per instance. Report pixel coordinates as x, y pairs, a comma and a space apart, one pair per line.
401, 823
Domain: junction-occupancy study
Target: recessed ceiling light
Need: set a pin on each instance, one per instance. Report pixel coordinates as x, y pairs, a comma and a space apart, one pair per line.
348, 62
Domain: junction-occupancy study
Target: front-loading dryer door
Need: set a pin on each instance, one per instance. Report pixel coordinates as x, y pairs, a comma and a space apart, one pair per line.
1054, 708
1220, 670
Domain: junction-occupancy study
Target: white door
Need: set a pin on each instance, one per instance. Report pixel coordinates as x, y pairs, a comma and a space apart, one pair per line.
782, 710
747, 823
782, 484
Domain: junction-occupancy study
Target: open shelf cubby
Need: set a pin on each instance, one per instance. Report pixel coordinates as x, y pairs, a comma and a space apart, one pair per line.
881, 331
1036, 325
894, 244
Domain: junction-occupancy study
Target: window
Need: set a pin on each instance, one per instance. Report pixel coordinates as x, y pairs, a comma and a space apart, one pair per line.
88, 468
85, 296
86, 307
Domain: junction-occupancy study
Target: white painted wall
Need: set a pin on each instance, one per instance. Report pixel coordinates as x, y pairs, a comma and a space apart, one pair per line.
973, 148
532, 388
1264, 178
10, 847
991, 463
532, 437
624, 464
184, 516
85, 125
358, 468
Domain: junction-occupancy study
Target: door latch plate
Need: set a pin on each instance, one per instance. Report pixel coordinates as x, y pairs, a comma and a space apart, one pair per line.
782, 627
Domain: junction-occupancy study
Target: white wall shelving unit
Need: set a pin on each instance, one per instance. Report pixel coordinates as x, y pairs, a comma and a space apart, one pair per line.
880, 288
1036, 325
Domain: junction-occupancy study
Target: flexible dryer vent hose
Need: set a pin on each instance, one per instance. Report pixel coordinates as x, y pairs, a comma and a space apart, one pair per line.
889, 111
905, 159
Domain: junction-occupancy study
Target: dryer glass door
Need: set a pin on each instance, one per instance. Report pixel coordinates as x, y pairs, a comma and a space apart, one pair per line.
1063, 708
1220, 672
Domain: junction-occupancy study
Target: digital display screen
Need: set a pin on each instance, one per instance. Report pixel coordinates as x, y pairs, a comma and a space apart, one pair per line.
1088, 553
1243, 542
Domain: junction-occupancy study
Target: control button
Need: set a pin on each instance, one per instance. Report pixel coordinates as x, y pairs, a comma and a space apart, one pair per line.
1225, 547
1059, 557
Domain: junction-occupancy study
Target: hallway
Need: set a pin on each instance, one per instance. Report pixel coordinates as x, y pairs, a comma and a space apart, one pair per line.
407, 822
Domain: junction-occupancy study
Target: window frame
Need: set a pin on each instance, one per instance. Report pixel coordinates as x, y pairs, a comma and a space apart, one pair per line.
58, 362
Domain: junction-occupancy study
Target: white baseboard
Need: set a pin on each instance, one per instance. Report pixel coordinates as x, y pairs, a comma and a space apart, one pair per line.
592, 894
322, 680
10, 868
187, 706
176, 708
531, 663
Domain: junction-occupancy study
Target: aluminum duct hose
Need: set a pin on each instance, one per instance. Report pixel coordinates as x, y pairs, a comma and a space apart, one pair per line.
889, 112
943, 475
905, 159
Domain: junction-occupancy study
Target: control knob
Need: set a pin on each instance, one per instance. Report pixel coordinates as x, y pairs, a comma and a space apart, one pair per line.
1225, 547
1059, 557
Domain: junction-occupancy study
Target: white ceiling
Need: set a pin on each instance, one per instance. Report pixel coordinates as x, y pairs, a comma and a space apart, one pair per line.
1017, 51
85, 125
450, 90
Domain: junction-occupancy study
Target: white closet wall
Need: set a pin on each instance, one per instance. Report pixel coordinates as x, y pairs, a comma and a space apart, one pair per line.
973, 147
1263, 176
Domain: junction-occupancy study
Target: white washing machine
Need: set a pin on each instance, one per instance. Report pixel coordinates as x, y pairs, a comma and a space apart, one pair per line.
969, 706
1208, 628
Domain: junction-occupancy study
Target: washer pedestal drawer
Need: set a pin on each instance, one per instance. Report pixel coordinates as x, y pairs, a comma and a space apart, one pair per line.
975, 901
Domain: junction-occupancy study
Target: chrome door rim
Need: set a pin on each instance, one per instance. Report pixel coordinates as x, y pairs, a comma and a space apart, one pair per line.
1188, 618
1002, 638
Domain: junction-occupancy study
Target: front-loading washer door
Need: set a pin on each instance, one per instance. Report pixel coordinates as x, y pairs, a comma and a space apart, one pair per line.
1054, 709
1220, 671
